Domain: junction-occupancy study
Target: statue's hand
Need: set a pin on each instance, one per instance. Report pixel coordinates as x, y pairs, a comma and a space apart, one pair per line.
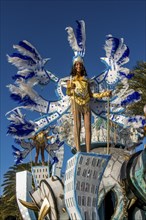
70, 85
108, 93
50, 137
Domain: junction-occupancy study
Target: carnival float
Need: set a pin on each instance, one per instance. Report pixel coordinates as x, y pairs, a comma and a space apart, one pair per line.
108, 182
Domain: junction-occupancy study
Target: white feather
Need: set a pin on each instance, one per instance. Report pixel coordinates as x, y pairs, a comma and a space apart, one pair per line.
23, 89
124, 70
83, 33
72, 39
119, 52
29, 44
19, 63
123, 61
25, 52
24, 72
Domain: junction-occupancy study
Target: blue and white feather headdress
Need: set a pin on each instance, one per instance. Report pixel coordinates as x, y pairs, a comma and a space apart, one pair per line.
77, 42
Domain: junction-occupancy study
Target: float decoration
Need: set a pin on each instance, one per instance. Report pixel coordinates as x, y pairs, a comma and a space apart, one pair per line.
32, 72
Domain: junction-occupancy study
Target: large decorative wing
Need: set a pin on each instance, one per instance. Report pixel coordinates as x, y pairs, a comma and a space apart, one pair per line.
30, 64
31, 71
117, 54
20, 155
20, 127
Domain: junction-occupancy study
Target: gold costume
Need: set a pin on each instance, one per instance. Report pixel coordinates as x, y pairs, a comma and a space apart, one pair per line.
81, 94
40, 138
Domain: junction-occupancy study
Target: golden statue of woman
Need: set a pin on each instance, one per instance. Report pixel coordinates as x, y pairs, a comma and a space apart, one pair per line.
78, 89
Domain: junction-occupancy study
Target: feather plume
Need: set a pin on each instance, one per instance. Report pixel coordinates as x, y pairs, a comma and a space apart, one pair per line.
24, 57
26, 100
20, 63
20, 127
128, 76
133, 97
29, 63
20, 155
124, 57
27, 57
26, 144
72, 39
77, 42
81, 35
23, 93
55, 145
28, 49
137, 121
116, 49
25, 74
126, 96
111, 46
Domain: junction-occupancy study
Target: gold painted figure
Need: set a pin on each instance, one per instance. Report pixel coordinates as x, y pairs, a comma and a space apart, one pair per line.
78, 89
40, 141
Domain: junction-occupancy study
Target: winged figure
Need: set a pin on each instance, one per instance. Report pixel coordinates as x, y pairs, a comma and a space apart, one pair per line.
31, 71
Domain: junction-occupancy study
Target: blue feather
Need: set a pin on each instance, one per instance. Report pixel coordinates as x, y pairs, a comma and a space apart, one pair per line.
21, 129
29, 76
144, 122
55, 160
29, 48
26, 100
79, 34
27, 58
17, 141
60, 143
125, 54
15, 149
19, 161
15, 97
134, 119
18, 154
115, 44
129, 76
130, 98
19, 133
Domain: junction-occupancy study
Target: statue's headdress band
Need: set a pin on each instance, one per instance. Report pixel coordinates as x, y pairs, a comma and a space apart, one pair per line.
77, 42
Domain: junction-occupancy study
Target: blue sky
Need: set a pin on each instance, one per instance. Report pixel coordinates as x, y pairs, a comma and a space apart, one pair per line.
43, 23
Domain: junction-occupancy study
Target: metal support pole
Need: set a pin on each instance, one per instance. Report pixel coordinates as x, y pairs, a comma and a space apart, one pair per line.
108, 124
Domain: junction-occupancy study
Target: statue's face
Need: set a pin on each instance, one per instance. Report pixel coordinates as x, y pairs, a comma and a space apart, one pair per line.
78, 67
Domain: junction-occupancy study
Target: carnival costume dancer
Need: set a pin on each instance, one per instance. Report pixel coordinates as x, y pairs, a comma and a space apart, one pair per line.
40, 141
78, 87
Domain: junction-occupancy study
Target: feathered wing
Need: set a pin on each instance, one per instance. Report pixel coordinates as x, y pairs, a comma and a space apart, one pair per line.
32, 101
30, 64
26, 48
31, 71
27, 58
117, 54
55, 145
20, 155
20, 127
77, 42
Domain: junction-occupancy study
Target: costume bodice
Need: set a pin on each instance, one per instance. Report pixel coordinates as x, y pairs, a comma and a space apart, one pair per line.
40, 138
81, 91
